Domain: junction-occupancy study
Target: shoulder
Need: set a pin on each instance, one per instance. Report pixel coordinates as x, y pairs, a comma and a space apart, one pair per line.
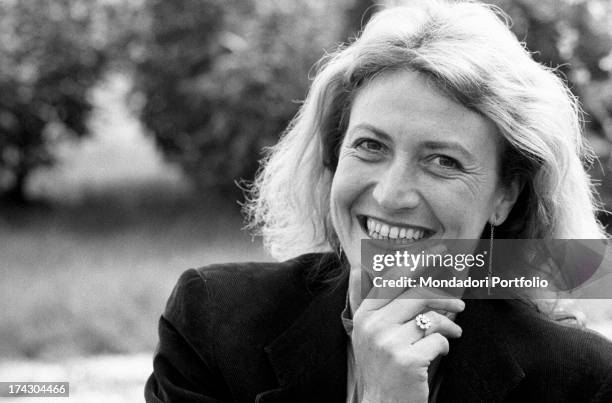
555, 350
523, 355
240, 295
526, 325
233, 283
220, 319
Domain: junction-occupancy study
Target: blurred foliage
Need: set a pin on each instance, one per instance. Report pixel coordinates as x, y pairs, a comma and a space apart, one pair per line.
219, 78
215, 81
51, 54
576, 36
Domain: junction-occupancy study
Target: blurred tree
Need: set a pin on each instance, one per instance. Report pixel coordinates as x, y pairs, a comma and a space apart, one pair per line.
180, 43
576, 37
218, 77
51, 53
215, 78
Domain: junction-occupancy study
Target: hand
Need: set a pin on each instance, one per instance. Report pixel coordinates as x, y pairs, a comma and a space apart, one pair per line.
392, 353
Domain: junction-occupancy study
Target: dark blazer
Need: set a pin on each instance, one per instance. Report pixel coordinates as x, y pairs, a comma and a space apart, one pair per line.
270, 332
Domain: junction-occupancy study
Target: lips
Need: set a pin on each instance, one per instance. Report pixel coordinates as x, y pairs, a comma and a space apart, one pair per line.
377, 229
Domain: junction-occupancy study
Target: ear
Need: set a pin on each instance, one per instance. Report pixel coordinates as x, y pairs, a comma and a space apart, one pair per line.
505, 199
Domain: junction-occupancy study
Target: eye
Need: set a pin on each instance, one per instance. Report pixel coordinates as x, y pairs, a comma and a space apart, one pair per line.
370, 145
447, 162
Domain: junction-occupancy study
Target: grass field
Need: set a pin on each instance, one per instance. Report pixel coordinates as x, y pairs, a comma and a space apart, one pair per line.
92, 278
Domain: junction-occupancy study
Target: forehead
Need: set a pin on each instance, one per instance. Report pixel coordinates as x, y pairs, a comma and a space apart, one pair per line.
406, 104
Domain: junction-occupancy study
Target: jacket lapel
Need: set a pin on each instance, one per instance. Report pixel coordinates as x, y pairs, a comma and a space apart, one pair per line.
480, 366
309, 358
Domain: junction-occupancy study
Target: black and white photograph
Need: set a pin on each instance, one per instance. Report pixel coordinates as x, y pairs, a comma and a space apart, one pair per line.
356, 201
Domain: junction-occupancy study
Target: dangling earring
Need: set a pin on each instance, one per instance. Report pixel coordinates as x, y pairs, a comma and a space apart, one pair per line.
490, 271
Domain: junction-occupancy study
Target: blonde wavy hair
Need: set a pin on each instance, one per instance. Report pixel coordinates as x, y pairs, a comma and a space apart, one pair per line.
467, 50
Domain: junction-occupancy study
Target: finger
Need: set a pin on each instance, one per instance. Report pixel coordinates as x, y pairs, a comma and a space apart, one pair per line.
410, 332
415, 301
431, 346
412, 302
383, 320
378, 297
438, 323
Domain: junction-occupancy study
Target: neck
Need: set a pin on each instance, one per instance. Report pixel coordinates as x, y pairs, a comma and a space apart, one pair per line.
354, 289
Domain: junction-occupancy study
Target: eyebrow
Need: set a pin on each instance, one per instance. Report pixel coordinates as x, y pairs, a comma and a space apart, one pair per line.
450, 145
431, 144
374, 130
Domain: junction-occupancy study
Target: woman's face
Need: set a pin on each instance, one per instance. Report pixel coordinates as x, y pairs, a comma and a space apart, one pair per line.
415, 164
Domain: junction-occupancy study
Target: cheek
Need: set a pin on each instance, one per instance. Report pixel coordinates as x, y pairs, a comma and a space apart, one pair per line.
348, 187
461, 209
343, 191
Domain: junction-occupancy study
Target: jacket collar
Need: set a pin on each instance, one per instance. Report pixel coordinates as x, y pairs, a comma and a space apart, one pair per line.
310, 362
309, 358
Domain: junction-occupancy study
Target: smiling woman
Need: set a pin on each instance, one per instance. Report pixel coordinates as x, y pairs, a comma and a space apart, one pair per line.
415, 162
434, 124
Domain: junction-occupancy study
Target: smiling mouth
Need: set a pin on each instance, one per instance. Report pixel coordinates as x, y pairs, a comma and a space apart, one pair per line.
377, 229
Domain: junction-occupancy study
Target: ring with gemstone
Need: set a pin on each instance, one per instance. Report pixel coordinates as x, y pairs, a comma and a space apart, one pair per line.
422, 321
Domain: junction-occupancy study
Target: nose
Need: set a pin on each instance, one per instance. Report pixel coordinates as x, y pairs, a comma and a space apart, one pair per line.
397, 187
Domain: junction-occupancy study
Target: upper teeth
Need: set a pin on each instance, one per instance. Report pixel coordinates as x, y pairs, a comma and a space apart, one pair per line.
380, 230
